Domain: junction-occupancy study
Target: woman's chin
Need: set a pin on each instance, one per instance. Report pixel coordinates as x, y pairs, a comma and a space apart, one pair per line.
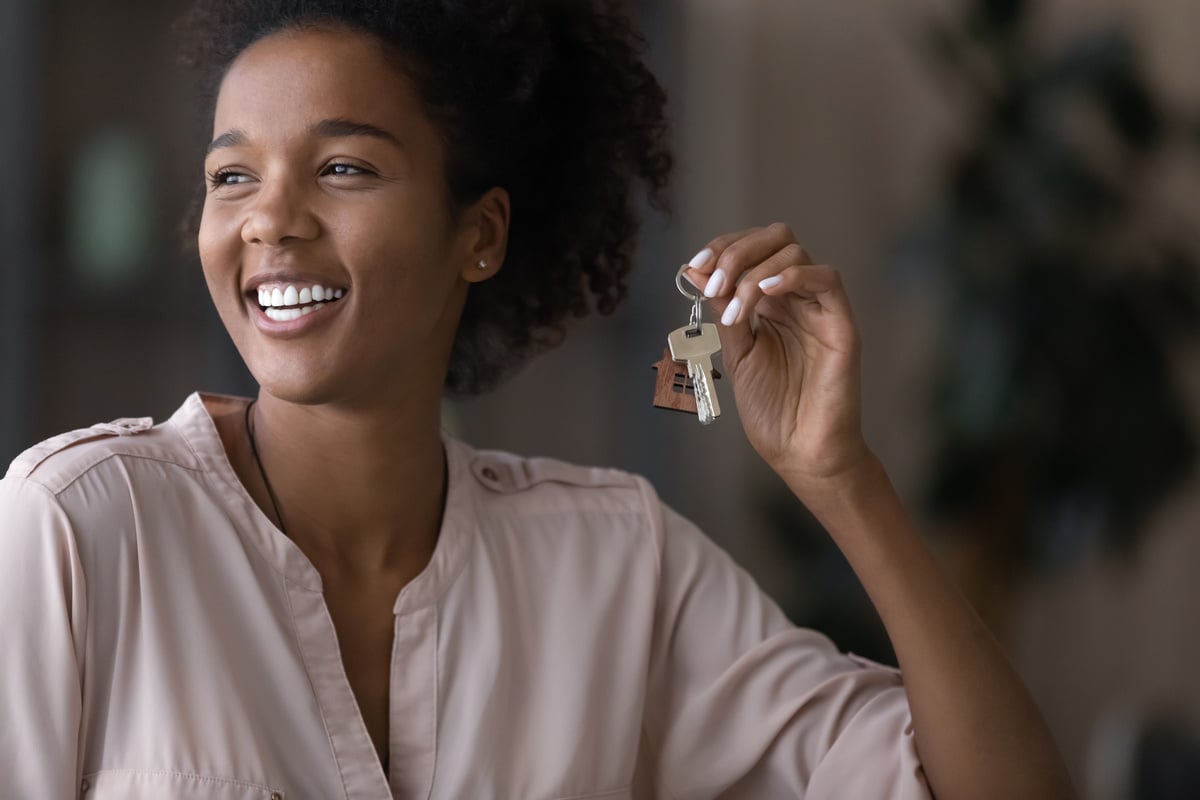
302, 388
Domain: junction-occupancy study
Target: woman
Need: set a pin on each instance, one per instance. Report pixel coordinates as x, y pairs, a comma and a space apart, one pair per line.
316, 594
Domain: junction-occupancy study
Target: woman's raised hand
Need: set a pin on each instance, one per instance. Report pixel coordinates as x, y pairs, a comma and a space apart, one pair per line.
791, 348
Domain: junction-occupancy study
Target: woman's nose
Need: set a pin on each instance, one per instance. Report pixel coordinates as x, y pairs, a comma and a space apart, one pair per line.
279, 212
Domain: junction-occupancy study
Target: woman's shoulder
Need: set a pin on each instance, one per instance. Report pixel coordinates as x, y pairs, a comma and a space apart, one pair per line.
539, 484
61, 461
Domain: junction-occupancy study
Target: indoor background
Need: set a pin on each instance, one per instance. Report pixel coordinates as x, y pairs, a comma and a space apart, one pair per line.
1011, 189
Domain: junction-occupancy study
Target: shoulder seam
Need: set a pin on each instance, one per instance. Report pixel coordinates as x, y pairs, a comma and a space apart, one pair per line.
38, 485
67, 483
508, 473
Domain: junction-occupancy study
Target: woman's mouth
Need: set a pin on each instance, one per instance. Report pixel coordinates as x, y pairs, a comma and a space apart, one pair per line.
287, 302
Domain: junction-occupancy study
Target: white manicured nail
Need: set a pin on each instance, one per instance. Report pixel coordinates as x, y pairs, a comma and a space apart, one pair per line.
716, 282
701, 258
767, 283
731, 312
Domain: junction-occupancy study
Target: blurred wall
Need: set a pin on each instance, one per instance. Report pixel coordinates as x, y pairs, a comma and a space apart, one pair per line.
821, 114
111, 139
17, 261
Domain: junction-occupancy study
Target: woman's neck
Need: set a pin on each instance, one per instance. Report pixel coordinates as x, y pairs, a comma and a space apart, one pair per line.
360, 491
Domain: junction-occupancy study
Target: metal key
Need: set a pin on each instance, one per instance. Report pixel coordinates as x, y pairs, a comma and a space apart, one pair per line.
697, 346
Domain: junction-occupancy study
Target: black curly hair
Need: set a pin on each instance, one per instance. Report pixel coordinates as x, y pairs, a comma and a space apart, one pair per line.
549, 99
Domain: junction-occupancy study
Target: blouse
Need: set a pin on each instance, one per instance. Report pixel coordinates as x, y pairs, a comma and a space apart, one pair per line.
571, 637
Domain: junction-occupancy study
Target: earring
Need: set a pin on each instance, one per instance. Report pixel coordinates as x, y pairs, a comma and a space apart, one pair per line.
483, 264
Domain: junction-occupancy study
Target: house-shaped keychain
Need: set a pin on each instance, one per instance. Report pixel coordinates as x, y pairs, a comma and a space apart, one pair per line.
673, 389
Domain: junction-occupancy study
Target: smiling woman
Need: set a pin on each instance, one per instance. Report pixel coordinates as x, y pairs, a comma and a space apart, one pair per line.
316, 593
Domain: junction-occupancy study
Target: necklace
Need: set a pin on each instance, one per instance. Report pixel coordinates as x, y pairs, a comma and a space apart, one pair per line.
262, 472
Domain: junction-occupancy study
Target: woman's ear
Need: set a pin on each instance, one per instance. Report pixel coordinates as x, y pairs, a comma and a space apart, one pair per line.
485, 232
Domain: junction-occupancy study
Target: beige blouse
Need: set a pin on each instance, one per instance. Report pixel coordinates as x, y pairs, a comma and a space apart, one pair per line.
571, 638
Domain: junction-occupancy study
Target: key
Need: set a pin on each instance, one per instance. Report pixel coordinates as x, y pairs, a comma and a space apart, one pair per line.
697, 346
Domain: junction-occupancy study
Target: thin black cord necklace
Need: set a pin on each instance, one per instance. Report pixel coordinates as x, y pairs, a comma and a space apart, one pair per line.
262, 472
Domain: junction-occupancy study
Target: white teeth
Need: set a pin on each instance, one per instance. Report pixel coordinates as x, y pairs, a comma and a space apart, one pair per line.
319, 305
288, 298
283, 314
306, 310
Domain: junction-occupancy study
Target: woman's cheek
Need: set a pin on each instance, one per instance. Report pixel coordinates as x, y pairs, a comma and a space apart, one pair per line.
220, 245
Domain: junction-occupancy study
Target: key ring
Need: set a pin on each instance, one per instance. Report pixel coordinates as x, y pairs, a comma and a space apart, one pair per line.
697, 304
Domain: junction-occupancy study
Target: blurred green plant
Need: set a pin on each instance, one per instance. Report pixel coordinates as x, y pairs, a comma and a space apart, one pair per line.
1070, 287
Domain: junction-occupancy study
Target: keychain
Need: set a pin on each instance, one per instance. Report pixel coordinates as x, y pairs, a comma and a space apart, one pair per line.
685, 373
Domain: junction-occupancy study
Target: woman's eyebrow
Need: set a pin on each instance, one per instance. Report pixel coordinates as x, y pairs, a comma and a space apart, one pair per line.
339, 128
325, 129
227, 139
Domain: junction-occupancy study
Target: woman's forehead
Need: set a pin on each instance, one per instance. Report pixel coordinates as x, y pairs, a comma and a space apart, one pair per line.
293, 79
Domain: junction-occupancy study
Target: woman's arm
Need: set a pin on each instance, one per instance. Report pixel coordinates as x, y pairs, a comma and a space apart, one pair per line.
977, 729
42, 613
792, 349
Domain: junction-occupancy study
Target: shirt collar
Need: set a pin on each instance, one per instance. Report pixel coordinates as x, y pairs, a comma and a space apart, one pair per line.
459, 518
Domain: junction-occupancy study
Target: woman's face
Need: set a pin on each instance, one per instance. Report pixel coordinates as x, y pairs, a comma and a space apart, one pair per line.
324, 171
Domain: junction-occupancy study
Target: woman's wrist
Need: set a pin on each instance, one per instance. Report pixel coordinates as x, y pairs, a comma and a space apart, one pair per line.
855, 502
857, 473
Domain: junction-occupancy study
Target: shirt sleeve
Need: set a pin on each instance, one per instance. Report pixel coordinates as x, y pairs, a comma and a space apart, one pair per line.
743, 704
42, 619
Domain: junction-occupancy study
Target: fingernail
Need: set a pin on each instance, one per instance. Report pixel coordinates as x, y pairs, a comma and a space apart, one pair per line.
716, 282
701, 258
731, 312
767, 283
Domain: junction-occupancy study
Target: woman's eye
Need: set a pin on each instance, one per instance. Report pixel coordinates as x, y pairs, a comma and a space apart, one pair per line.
339, 168
226, 177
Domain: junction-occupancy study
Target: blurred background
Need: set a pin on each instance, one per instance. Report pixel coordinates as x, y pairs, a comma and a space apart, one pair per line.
1011, 189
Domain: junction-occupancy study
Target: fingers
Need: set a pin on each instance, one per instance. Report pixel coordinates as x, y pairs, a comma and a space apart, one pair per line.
738, 270
729, 268
720, 265
816, 283
789, 271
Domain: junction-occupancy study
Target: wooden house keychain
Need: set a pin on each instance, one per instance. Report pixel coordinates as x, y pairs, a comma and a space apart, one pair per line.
685, 373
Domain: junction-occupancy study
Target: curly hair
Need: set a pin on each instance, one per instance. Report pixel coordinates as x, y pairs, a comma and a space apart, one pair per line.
548, 99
